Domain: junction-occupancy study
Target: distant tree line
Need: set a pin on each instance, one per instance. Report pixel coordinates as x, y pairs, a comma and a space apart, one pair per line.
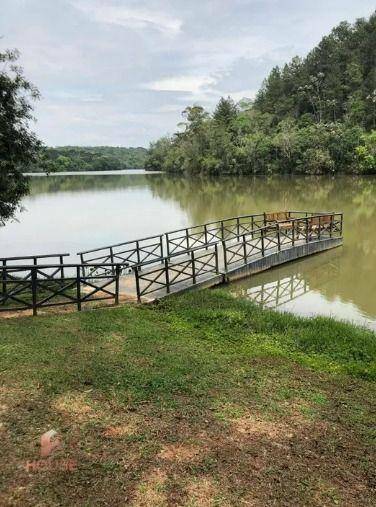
315, 115
98, 158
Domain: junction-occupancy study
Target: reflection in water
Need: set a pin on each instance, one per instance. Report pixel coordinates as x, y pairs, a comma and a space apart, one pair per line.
277, 293
73, 213
305, 287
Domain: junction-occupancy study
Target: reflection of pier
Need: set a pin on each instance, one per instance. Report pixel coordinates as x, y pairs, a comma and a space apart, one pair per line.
280, 286
274, 294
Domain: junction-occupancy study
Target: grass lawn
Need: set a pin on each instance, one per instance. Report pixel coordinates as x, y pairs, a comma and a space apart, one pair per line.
201, 400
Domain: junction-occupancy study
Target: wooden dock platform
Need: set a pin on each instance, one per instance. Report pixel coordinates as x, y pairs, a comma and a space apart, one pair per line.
153, 268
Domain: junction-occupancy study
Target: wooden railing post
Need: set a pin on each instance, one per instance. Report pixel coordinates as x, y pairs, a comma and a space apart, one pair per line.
167, 244
136, 274
279, 237
83, 264
319, 235
262, 242
216, 258
244, 249
307, 229
293, 233
224, 254
138, 252
167, 276
4, 283
206, 236
117, 280
78, 288
253, 226
331, 226
34, 283
193, 267
112, 260
161, 245
62, 267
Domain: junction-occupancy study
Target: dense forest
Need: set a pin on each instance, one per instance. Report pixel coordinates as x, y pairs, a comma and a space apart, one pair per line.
98, 158
314, 115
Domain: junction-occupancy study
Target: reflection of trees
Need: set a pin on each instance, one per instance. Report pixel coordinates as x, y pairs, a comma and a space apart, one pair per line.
204, 199
355, 280
79, 183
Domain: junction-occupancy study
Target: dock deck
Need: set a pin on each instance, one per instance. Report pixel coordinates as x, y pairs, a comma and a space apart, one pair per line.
155, 267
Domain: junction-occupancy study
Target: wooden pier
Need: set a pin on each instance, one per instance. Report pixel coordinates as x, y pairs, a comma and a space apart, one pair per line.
157, 266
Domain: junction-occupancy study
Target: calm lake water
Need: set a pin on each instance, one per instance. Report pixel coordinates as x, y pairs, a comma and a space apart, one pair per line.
70, 213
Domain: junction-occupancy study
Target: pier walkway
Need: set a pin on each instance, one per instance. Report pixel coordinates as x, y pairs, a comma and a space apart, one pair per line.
152, 268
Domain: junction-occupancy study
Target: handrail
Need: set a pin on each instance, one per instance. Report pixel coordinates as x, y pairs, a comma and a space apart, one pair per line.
168, 257
45, 266
168, 274
188, 228
120, 244
28, 291
216, 222
212, 243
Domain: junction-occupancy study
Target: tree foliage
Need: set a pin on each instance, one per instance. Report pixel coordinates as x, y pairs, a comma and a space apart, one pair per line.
96, 158
315, 115
18, 145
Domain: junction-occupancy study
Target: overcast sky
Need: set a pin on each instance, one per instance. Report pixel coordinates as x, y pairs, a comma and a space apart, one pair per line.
119, 72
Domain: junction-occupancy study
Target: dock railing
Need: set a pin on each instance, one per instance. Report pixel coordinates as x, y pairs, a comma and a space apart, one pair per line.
134, 252
31, 287
181, 240
128, 253
275, 237
11, 262
175, 269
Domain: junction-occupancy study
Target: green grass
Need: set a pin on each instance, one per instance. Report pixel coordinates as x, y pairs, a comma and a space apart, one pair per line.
201, 399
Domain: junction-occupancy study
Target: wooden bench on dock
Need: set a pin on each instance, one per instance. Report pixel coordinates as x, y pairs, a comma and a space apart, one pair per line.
279, 217
321, 222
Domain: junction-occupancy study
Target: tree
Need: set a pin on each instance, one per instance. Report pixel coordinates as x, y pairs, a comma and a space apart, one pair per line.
195, 117
157, 154
366, 153
225, 112
18, 145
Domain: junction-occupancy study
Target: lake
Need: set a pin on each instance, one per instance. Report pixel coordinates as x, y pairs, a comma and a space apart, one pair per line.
69, 213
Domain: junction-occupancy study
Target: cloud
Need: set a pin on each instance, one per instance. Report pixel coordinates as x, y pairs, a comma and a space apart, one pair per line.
135, 18
243, 94
191, 84
76, 96
120, 72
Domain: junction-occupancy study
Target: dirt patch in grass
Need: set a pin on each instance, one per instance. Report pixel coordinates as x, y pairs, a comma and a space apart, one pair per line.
151, 456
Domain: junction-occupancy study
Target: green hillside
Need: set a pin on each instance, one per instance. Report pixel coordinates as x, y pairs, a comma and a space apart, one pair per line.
314, 115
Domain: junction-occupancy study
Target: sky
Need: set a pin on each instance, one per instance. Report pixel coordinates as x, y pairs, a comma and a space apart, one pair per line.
120, 72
